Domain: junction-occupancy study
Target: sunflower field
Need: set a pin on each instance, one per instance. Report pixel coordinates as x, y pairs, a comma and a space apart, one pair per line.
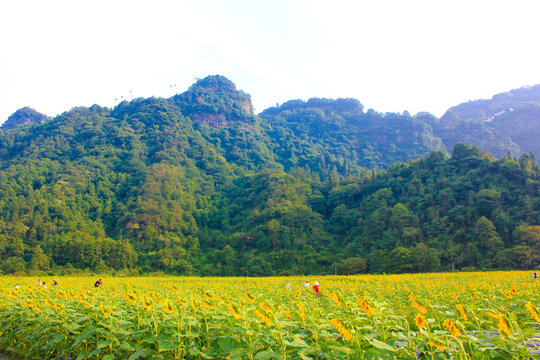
493, 315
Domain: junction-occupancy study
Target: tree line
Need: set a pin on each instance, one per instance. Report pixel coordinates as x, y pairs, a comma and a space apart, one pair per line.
150, 187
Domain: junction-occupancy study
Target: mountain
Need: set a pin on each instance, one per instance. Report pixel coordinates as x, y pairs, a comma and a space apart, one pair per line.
453, 130
509, 121
199, 184
522, 124
215, 101
341, 128
498, 104
23, 117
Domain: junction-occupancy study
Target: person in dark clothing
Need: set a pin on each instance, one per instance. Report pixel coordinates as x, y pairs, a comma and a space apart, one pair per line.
98, 283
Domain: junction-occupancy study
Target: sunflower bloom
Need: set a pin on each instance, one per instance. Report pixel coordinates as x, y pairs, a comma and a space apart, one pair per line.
335, 298
288, 314
104, 311
420, 321
461, 310
437, 346
192, 303
418, 307
530, 308
235, 314
167, 309
452, 329
207, 305
365, 306
51, 305
249, 298
266, 308
181, 302
341, 329
262, 316
130, 298
492, 315
503, 327
302, 310
85, 304
146, 304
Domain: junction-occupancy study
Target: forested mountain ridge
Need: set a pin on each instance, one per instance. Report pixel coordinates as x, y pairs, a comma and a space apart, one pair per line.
498, 104
452, 130
198, 184
509, 121
341, 128
23, 117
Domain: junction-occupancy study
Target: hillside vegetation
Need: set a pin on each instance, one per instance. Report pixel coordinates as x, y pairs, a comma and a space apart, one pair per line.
199, 184
508, 122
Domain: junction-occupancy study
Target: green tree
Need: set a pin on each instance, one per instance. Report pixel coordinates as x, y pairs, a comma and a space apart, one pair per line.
488, 200
353, 265
517, 257
490, 243
400, 260
13, 265
39, 260
425, 258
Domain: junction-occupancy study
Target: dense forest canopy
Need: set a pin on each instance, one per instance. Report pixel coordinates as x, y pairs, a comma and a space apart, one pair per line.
199, 184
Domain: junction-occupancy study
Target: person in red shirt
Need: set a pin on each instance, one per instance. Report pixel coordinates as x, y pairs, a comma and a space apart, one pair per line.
316, 288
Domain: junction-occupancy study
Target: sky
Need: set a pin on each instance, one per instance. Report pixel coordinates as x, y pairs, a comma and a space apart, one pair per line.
392, 55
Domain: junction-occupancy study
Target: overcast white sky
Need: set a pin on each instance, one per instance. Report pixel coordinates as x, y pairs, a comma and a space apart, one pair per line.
392, 55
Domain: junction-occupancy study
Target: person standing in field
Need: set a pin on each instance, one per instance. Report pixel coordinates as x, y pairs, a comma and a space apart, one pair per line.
306, 284
316, 288
535, 275
98, 283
